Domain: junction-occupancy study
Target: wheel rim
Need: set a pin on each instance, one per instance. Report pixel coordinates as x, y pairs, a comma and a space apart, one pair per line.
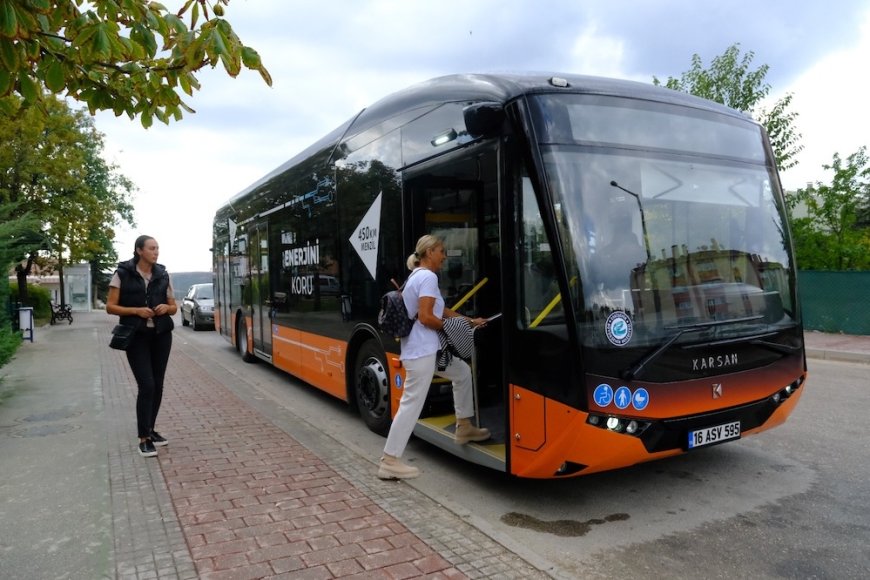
372, 387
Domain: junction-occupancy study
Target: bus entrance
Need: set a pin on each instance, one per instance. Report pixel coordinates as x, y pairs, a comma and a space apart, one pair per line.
457, 201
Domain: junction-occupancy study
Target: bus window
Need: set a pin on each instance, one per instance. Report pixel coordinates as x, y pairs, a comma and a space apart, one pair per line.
539, 289
447, 206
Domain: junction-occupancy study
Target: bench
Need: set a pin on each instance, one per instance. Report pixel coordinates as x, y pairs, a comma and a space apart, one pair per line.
61, 312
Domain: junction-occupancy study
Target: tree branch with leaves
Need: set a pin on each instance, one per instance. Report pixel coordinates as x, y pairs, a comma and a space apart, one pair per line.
133, 57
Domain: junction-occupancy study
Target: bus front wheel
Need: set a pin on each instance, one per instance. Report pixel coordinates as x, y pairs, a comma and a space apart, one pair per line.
242, 341
372, 387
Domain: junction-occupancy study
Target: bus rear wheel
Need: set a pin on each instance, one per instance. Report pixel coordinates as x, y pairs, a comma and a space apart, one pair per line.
242, 341
372, 387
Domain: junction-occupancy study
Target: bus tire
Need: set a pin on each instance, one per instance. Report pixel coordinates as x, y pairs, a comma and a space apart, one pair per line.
371, 387
242, 341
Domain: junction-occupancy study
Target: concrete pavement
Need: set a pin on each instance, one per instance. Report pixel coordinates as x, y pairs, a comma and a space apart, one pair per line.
232, 496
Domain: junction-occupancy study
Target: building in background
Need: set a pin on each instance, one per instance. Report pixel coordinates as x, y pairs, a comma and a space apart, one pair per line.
77, 285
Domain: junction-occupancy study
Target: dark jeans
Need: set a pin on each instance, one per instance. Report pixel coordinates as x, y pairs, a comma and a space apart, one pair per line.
148, 356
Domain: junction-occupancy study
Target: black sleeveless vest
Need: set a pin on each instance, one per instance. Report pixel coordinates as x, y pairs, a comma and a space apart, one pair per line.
135, 294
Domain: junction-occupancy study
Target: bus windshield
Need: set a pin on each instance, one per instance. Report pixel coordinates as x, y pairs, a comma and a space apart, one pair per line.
668, 216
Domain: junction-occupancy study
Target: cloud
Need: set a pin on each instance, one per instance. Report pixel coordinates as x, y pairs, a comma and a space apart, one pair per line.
661, 36
330, 59
832, 99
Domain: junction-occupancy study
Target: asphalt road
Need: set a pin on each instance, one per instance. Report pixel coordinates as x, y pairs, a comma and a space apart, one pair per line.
793, 502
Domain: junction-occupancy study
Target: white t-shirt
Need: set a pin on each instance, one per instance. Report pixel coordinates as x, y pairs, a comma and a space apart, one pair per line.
422, 341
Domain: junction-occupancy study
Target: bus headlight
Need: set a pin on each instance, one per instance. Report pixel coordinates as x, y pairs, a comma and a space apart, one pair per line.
787, 391
624, 425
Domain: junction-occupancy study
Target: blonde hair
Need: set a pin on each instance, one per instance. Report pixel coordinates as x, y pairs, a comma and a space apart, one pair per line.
424, 244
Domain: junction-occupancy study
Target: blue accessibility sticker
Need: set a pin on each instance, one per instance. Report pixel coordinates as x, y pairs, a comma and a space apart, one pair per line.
603, 395
640, 399
622, 397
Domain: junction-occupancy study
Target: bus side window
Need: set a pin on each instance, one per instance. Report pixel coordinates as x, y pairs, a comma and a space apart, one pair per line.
538, 286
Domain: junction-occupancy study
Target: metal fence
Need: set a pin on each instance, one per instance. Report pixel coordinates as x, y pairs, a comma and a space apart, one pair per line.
835, 301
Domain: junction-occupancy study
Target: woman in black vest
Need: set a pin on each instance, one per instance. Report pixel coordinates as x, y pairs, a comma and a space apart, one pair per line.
140, 293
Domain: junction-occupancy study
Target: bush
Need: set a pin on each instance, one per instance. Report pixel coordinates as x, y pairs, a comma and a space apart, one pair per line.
37, 297
9, 342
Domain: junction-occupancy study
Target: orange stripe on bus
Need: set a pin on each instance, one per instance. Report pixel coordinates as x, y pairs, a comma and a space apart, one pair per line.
317, 360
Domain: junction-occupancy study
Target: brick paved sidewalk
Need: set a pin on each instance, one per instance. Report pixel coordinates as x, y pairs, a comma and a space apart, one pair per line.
243, 499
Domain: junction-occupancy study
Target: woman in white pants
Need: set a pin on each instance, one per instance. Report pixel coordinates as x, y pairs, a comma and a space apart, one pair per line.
423, 299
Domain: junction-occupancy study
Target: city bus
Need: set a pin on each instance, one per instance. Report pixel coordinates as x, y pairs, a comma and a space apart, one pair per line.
629, 242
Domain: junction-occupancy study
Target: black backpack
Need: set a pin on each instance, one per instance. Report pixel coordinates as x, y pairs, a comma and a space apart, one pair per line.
393, 316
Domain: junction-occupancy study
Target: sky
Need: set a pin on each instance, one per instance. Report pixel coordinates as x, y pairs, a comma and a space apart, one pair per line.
329, 60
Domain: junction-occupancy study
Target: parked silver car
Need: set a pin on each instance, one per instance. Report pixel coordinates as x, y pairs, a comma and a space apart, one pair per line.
197, 307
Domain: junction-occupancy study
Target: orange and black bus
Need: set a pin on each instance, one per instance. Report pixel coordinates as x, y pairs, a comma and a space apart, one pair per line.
633, 239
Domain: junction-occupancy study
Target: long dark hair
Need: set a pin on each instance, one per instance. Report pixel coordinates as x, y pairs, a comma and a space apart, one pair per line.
139, 245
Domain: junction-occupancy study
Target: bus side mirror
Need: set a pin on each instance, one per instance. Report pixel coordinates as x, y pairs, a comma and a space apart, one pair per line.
483, 119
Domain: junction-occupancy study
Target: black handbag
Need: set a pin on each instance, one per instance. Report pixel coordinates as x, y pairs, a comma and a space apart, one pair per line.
122, 336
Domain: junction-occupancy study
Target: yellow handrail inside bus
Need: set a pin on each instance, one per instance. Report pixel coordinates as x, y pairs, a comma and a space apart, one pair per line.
547, 309
470, 293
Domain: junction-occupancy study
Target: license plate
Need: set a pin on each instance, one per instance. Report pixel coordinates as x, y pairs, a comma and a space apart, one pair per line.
717, 434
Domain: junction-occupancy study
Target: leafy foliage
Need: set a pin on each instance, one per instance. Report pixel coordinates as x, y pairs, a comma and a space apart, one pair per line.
9, 343
730, 81
830, 236
19, 234
132, 57
38, 297
51, 171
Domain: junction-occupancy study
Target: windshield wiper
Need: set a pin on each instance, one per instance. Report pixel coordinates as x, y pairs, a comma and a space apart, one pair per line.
775, 346
638, 368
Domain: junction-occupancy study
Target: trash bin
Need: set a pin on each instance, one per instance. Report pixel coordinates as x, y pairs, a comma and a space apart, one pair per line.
25, 322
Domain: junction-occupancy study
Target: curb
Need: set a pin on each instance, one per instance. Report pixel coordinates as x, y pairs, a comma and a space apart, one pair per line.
838, 355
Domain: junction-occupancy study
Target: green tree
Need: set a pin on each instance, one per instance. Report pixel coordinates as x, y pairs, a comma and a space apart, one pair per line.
18, 233
33, 160
50, 167
132, 57
82, 220
829, 236
730, 81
